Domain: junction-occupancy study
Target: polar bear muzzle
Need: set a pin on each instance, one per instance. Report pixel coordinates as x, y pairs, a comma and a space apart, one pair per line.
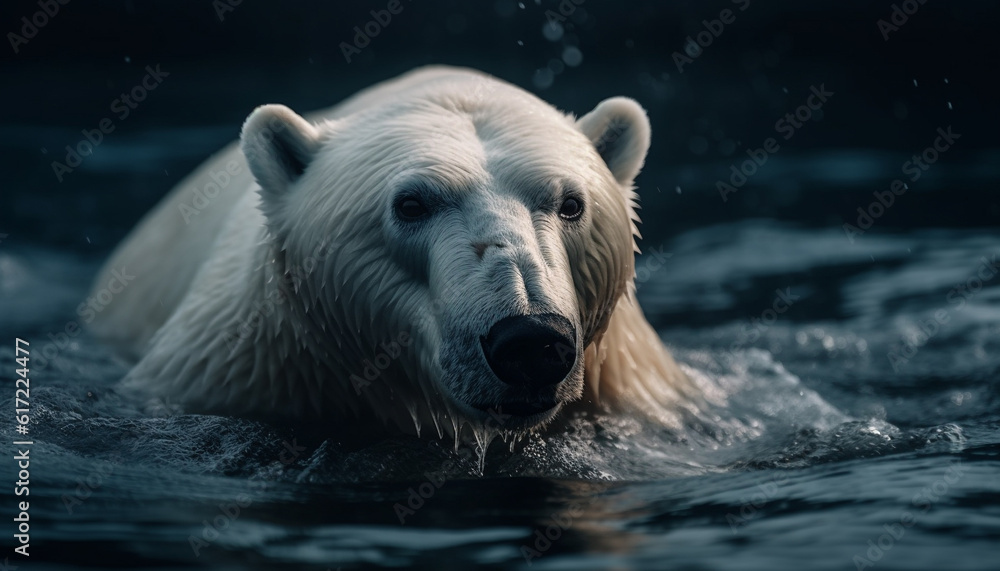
531, 351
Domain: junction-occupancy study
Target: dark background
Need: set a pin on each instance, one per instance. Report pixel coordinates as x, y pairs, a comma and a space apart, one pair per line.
760, 67
782, 231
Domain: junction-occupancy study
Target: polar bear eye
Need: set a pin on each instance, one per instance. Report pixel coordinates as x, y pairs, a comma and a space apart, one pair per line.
410, 208
571, 208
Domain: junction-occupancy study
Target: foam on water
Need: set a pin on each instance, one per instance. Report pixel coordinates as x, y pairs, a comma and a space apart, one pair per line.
813, 403
758, 414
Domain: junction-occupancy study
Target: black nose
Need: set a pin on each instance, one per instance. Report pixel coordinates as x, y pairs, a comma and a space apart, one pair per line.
531, 350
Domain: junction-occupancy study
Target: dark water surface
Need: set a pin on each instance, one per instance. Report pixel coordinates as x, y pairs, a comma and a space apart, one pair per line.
857, 428
823, 447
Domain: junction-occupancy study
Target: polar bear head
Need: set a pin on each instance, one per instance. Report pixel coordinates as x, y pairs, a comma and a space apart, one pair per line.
491, 231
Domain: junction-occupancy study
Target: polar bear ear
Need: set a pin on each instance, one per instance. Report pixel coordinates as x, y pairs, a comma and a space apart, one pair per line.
619, 129
278, 145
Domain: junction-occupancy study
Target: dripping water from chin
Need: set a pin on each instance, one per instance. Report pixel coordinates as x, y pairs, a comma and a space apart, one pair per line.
415, 417
483, 437
515, 439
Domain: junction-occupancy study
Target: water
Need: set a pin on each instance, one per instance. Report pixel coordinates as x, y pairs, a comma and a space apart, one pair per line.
856, 428
818, 451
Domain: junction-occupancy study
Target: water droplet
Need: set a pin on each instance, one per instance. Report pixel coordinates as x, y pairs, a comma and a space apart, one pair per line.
520, 42
914, 83
128, 59
504, 8
949, 105
552, 31
543, 78
483, 439
415, 417
946, 80
678, 189
698, 145
572, 56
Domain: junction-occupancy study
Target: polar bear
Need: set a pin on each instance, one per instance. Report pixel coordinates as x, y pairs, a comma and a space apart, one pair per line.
441, 249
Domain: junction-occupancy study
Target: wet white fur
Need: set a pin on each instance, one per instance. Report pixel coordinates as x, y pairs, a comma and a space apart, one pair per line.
490, 147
